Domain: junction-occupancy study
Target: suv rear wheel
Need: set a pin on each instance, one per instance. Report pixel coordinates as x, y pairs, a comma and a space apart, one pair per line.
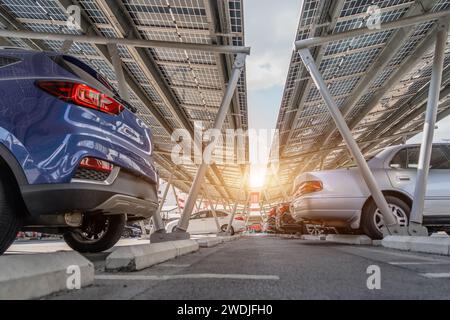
97, 234
372, 219
10, 211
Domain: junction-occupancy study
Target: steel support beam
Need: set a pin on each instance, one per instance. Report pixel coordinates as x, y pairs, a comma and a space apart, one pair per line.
218, 123
130, 42
428, 130
389, 218
243, 183
299, 101
213, 209
158, 224
118, 70
400, 23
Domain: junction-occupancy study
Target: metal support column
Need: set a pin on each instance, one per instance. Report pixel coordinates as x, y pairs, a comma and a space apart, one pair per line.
389, 218
242, 186
423, 168
198, 206
158, 224
238, 66
212, 208
118, 69
247, 215
176, 198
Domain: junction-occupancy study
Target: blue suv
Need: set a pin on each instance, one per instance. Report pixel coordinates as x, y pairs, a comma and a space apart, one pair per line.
74, 157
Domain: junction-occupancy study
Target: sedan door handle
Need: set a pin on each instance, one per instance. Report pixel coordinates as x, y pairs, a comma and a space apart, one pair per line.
404, 178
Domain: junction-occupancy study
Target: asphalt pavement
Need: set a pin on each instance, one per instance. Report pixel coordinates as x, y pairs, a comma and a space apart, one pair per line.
269, 267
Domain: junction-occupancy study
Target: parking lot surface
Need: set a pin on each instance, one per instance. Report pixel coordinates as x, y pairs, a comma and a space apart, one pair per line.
270, 267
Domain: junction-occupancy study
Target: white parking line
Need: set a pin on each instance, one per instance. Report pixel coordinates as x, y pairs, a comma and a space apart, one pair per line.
435, 275
172, 265
397, 254
186, 276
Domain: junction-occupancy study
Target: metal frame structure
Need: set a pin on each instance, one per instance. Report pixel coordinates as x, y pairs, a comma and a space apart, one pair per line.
373, 82
173, 60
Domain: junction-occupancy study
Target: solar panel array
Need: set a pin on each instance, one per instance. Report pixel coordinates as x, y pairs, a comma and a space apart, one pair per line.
383, 105
171, 88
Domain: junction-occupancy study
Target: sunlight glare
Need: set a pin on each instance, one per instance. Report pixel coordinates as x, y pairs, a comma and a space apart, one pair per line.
257, 176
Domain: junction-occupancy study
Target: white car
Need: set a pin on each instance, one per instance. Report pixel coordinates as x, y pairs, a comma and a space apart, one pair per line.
204, 222
340, 198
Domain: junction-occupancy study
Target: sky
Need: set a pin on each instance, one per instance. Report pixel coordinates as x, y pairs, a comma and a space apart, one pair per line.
270, 29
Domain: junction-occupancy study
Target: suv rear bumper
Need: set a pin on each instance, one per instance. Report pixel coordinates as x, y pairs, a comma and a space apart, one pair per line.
128, 194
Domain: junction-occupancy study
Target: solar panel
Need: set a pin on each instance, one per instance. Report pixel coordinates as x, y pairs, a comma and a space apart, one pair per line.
306, 129
190, 82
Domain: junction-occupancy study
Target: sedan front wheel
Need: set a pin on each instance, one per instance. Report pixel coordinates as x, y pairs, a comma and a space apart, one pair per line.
372, 220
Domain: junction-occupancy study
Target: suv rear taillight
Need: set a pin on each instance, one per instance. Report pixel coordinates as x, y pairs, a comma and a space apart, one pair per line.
96, 164
309, 187
93, 169
82, 95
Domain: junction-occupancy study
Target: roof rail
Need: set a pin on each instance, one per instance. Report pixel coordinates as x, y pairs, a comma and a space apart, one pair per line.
14, 48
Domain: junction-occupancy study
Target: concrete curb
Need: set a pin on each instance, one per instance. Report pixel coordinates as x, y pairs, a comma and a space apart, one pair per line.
133, 258
349, 239
289, 236
37, 275
214, 241
208, 242
230, 238
311, 237
434, 245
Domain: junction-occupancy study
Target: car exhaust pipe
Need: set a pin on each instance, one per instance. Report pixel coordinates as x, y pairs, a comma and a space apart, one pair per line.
72, 219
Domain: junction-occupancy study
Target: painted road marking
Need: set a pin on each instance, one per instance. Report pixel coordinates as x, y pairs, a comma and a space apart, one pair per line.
172, 265
397, 254
187, 276
435, 275
412, 263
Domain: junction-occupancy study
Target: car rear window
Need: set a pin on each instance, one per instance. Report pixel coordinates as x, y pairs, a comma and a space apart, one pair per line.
85, 72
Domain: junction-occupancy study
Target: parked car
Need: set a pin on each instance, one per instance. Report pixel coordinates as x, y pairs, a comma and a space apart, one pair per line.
340, 198
74, 157
255, 228
285, 223
270, 224
131, 231
204, 222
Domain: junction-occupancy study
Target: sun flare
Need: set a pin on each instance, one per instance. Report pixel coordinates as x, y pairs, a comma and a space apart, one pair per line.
257, 176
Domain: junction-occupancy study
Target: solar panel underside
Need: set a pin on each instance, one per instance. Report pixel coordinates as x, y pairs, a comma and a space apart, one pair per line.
380, 112
172, 88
